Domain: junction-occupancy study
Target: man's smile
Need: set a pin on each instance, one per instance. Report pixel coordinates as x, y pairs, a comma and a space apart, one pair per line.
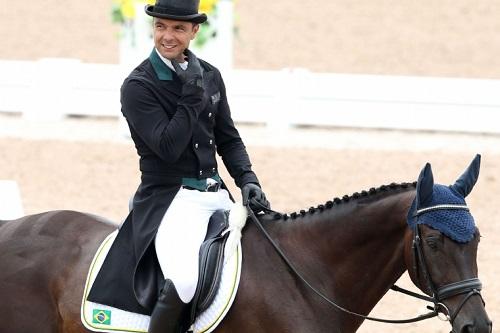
169, 47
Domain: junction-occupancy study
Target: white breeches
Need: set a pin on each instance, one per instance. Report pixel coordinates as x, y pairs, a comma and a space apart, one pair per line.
180, 234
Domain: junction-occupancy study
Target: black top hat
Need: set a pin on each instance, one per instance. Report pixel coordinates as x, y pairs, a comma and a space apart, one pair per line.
180, 10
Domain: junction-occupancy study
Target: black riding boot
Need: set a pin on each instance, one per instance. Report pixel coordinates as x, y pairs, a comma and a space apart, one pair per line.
169, 313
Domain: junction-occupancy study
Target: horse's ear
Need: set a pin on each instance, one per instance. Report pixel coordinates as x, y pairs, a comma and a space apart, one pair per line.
468, 179
425, 186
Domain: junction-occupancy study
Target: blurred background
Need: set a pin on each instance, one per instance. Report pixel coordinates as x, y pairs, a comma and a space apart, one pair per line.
331, 97
429, 38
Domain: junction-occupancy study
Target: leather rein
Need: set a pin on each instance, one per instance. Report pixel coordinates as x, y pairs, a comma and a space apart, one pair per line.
470, 287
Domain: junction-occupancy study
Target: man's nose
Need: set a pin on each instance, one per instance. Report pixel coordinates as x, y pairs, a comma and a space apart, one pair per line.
168, 34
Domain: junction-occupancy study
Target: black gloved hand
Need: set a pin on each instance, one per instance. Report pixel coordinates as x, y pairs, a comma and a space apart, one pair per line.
193, 74
253, 191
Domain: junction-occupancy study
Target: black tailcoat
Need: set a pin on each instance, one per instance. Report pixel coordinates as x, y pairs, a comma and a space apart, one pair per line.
176, 135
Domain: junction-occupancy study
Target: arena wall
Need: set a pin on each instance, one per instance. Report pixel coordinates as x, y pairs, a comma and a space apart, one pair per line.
58, 29
421, 38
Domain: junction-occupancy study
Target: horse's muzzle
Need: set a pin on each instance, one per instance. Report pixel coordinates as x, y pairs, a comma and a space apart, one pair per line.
483, 326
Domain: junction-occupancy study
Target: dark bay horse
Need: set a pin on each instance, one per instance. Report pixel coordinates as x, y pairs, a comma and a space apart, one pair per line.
353, 249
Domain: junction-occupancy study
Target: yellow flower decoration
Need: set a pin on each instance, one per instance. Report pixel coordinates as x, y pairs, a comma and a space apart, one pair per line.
207, 6
127, 7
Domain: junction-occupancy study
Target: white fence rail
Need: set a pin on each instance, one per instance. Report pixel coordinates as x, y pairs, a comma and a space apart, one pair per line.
11, 206
53, 88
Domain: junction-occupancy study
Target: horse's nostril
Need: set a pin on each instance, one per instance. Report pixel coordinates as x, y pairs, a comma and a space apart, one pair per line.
478, 327
486, 327
468, 329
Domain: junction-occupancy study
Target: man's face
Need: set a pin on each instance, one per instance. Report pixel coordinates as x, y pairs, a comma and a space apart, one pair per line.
173, 37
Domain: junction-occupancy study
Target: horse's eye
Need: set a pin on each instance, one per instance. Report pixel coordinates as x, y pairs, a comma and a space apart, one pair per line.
433, 242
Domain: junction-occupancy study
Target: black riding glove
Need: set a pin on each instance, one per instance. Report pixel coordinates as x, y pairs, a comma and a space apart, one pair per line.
193, 74
252, 194
193, 89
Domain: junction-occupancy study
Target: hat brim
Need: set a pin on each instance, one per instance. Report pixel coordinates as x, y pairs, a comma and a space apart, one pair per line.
195, 18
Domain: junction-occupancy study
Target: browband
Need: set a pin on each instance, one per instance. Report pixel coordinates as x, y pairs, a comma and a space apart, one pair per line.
440, 207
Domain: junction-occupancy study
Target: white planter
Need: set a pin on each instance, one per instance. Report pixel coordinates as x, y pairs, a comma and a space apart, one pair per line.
136, 40
219, 50
10, 200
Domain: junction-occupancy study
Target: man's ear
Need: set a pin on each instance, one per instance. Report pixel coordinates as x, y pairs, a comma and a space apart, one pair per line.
196, 27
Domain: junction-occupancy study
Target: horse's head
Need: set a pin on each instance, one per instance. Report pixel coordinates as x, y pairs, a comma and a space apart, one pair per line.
441, 251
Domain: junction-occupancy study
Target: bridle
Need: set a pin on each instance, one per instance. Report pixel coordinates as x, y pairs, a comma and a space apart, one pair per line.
470, 287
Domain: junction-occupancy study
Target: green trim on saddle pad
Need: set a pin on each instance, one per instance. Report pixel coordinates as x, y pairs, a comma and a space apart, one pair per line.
98, 317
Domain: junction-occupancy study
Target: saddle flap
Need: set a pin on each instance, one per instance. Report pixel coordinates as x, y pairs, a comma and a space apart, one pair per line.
211, 263
218, 222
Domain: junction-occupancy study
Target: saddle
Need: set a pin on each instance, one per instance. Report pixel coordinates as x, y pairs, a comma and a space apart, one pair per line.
210, 263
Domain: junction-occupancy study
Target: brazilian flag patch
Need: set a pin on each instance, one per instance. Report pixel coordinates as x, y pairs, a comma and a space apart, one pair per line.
102, 317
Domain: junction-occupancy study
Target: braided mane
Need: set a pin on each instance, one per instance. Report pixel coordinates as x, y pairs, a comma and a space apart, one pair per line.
346, 198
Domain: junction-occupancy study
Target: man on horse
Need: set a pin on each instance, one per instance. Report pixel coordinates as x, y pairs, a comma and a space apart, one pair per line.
177, 111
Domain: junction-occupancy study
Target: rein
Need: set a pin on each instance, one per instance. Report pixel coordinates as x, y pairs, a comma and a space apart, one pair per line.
428, 315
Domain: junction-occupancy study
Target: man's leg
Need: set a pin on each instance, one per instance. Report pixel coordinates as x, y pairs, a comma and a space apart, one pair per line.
177, 243
169, 312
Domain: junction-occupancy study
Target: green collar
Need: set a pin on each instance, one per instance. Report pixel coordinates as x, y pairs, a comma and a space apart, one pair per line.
162, 70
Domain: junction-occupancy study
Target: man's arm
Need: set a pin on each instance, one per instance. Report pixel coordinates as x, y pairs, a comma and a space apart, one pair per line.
230, 146
234, 154
167, 138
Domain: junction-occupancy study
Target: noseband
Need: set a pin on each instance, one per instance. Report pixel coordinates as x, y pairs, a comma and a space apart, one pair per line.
470, 287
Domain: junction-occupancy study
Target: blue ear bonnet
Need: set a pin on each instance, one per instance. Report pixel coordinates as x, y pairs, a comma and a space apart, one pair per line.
457, 224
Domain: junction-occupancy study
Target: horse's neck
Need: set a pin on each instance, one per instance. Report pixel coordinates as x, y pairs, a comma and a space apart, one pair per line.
357, 247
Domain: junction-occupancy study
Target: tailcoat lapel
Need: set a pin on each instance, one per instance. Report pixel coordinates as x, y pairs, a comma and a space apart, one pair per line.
167, 79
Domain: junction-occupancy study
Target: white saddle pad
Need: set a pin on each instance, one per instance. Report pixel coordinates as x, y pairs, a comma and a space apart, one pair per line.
102, 318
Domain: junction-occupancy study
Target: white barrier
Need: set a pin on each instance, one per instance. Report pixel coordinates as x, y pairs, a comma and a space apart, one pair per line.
10, 200
54, 88
299, 97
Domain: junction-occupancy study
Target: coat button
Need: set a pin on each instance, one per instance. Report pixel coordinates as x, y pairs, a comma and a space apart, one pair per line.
201, 172
211, 141
210, 115
196, 145
213, 169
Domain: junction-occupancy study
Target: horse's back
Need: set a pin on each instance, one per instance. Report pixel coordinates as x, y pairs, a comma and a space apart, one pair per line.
44, 260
